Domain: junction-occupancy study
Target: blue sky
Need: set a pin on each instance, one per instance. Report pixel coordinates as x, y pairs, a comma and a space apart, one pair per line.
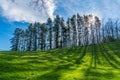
19, 14
6, 32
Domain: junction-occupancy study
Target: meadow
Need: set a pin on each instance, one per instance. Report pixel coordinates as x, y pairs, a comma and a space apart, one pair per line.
93, 62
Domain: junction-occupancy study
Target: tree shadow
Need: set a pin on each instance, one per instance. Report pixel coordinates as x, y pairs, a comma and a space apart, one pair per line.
94, 74
69, 56
116, 50
48, 63
109, 57
97, 52
48, 76
82, 53
34, 64
55, 74
95, 56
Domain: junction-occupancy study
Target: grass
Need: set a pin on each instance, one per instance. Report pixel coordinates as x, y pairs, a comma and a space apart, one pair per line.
95, 62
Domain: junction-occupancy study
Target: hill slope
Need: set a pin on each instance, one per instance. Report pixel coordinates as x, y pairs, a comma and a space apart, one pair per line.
95, 62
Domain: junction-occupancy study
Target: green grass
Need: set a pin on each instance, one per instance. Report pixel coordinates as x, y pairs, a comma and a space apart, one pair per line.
95, 62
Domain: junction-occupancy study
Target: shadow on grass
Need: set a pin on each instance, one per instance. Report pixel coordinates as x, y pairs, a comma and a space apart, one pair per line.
55, 74
82, 53
109, 57
33, 64
116, 50
57, 62
94, 74
95, 56
48, 76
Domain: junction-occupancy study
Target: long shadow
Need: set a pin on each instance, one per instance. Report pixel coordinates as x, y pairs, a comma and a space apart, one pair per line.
97, 54
48, 76
82, 54
55, 74
115, 51
109, 58
112, 57
94, 74
94, 56
19, 67
75, 50
80, 51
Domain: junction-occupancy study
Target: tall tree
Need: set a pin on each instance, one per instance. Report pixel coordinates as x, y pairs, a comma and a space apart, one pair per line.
78, 30
69, 32
43, 36
15, 41
80, 27
57, 30
63, 34
32, 38
73, 24
49, 21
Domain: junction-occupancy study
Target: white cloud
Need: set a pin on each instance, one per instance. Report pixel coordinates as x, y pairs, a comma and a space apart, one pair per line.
21, 10
101, 8
27, 10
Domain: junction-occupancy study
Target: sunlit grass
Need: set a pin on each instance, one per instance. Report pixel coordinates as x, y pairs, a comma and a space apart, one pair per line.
95, 62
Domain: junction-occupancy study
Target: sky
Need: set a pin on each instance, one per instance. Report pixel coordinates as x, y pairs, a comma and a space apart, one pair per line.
22, 12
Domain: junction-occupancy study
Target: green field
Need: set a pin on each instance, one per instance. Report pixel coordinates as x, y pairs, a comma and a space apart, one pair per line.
94, 62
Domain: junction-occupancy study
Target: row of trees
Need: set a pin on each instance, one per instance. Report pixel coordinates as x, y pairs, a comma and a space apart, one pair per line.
76, 31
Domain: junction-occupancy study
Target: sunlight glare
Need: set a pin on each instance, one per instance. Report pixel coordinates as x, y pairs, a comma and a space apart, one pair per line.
91, 19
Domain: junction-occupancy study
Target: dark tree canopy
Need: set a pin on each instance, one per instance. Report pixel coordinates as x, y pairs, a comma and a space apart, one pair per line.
58, 33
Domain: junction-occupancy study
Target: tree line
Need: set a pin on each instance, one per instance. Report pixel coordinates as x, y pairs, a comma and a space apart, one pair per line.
59, 33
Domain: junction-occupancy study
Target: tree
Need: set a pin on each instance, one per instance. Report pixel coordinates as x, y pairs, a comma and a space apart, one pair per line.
80, 27
97, 27
49, 22
15, 41
78, 30
63, 34
117, 29
56, 30
73, 24
43, 36
32, 45
85, 29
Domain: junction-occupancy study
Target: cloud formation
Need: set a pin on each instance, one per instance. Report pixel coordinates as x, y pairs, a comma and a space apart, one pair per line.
27, 10
101, 8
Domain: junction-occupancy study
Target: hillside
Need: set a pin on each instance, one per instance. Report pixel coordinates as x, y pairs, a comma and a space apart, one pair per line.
94, 62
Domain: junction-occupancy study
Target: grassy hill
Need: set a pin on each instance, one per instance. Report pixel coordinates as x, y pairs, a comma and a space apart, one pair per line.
94, 62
